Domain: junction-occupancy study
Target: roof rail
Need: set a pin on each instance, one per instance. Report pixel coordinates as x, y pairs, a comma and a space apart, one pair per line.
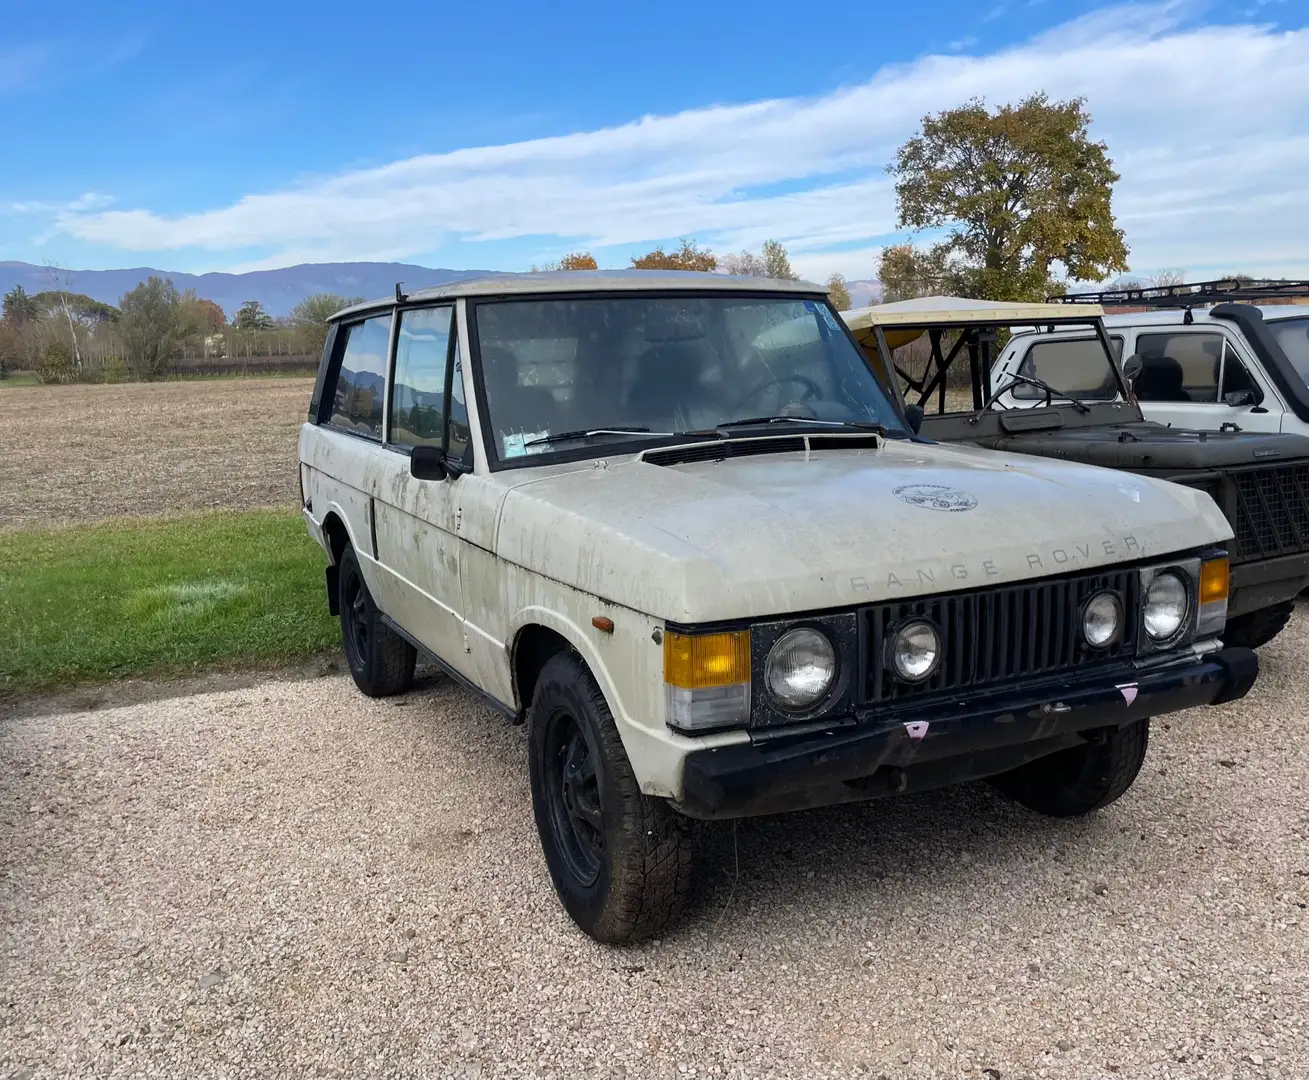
1194, 294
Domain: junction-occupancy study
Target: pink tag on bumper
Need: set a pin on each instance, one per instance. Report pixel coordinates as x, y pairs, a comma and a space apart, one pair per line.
1129, 692
917, 729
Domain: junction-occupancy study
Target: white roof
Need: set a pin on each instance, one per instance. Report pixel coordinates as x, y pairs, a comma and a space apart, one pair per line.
1175, 316
961, 309
573, 281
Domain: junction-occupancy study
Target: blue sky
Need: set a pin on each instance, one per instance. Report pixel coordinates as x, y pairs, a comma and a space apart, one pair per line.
239, 136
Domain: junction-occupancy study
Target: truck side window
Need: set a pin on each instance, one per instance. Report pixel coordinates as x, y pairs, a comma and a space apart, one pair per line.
422, 351
1074, 365
361, 378
1179, 367
1235, 376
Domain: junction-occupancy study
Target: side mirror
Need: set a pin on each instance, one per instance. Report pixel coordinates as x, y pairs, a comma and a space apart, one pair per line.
1132, 368
914, 414
430, 463
1239, 399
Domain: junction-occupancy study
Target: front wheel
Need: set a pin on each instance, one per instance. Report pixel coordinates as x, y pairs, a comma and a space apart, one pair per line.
380, 660
1258, 627
620, 861
1081, 779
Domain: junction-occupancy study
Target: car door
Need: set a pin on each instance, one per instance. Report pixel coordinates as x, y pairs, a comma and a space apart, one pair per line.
417, 520
1187, 374
342, 453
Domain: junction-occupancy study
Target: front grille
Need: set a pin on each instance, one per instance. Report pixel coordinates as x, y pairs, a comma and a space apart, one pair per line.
1268, 509
996, 636
1271, 514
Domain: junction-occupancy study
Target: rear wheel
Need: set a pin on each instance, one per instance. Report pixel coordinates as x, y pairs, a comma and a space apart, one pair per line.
380, 660
1258, 627
620, 861
1084, 778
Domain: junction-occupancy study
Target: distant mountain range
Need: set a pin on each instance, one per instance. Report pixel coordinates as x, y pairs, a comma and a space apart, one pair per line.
277, 290
280, 290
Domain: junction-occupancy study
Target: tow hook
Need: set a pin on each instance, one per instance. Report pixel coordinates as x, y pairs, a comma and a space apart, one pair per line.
1050, 708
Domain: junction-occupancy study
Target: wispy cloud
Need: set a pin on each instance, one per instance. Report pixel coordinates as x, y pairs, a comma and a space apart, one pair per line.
1203, 168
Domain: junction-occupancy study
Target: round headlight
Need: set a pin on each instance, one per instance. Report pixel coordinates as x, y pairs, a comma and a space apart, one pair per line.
915, 650
1165, 606
1101, 619
800, 668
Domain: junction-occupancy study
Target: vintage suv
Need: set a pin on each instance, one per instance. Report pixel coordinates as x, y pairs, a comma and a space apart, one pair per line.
675, 523
1055, 389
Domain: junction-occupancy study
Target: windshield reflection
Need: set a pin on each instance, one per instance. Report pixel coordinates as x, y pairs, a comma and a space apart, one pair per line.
665, 364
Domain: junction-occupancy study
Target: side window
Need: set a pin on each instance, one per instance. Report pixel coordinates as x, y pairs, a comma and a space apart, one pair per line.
1076, 366
361, 379
1236, 379
418, 389
460, 436
1179, 367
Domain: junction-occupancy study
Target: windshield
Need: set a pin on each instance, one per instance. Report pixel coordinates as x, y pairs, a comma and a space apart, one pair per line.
1293, 337
1075, 366
665, 365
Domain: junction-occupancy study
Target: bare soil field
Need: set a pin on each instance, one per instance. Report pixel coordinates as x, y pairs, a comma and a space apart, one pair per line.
72, 454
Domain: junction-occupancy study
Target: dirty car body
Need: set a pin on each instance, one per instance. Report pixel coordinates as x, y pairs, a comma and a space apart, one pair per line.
676, 524
1055, 388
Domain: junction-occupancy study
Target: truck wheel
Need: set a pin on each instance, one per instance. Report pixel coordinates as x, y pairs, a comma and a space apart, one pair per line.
620, 861
380, 660
1084, 778
1258, 627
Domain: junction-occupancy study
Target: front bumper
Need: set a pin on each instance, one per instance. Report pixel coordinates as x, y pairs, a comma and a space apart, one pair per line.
948, 743
1266, 582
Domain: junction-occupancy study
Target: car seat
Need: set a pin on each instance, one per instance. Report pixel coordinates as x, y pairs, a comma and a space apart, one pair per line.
1160, 380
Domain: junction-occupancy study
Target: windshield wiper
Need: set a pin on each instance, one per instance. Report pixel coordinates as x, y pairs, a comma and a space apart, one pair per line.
588, 433
1041, 384
756, 421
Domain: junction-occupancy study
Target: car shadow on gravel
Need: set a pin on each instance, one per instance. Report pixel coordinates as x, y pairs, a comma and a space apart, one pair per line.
916, 846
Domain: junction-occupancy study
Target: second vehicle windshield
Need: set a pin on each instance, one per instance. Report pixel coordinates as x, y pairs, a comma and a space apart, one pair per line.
667, 365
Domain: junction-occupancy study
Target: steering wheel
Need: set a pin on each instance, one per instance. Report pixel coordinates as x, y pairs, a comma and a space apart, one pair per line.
811, 389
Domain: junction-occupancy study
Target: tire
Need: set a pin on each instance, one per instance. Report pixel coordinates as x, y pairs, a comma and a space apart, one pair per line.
1084, 778
620, 861
1258, 627
380, 660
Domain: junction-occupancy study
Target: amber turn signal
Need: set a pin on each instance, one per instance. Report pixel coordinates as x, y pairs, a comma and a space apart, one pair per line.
696, 661
1215, 580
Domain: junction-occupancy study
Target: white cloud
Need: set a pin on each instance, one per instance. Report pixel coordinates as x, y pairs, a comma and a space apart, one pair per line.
1205, 124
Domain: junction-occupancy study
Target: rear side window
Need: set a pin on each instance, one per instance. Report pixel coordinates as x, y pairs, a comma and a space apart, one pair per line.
361, 380
1076, 366
1179, 367
422, 348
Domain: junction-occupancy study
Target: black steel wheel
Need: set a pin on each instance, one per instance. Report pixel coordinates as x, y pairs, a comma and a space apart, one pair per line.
381, 661
572, 790
620, 861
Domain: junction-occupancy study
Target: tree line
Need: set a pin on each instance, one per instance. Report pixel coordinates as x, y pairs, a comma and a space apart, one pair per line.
772, 262
64, 336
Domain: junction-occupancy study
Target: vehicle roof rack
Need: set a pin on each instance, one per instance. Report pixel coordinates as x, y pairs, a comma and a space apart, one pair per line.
1194, 294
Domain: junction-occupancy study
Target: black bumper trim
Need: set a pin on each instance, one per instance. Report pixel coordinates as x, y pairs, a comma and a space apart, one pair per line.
950, 743
1261, 583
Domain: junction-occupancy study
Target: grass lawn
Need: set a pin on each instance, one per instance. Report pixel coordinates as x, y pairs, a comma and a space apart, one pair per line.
157, 597
19, 378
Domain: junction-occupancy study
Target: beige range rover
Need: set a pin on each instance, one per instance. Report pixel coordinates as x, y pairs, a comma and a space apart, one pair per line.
678, 526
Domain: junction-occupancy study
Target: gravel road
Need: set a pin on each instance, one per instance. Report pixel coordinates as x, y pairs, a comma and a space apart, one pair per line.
289, 880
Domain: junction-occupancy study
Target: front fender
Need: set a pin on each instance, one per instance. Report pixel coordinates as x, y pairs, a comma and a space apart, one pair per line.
627, 665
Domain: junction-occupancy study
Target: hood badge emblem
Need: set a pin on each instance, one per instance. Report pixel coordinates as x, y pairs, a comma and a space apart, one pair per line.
935, 497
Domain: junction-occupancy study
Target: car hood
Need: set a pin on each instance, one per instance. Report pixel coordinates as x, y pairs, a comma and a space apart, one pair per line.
800, 531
